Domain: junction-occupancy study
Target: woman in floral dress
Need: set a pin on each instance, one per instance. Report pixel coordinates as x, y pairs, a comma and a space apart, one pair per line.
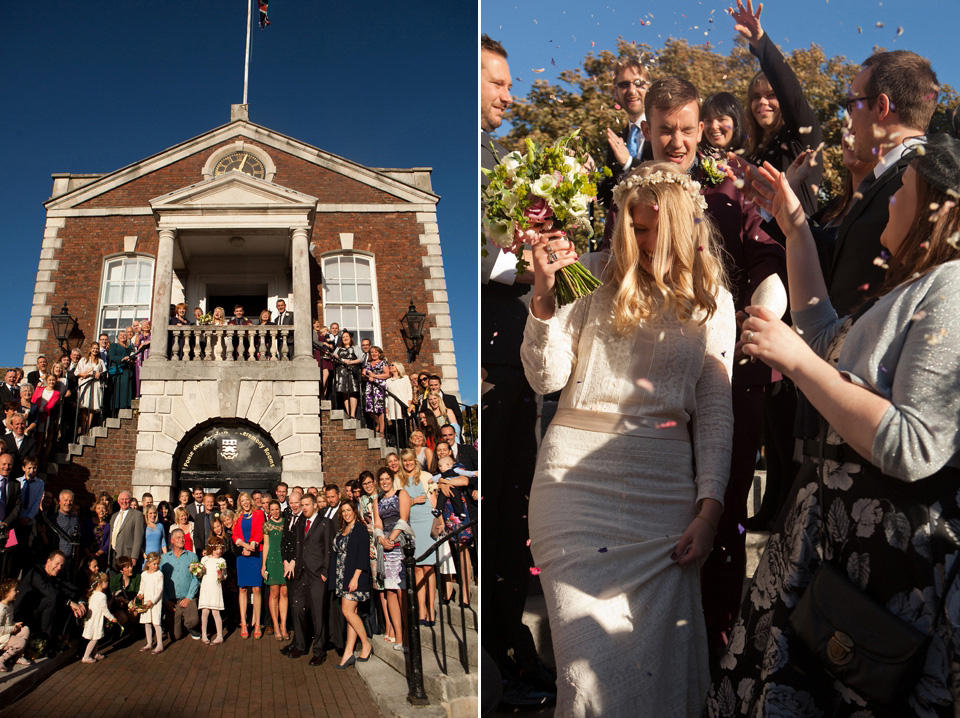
887, 386
390, 520
374, 395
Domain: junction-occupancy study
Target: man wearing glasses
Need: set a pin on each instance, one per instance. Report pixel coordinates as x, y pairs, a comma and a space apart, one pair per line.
891, 103
626, 149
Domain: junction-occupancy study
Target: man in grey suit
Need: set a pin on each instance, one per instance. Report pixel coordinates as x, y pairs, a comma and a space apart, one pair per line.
126, 531
284, 318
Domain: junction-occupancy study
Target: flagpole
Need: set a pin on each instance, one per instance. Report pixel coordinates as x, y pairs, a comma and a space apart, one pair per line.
246, 63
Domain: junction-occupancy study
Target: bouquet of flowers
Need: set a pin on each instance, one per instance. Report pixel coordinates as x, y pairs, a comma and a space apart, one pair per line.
196, 568
205, 319
549, 188
136, 606
221, 570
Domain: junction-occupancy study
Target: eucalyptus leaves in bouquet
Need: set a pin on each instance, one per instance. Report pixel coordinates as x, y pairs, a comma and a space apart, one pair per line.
547, 187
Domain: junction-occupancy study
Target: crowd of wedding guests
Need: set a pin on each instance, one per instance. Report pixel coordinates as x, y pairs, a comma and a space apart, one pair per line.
317, 568
872, 262
64, 398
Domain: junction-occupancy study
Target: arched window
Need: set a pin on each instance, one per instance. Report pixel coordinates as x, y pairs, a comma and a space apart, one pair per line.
127, 292
350, 295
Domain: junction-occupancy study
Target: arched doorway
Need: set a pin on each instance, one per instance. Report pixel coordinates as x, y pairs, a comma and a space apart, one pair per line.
227, 455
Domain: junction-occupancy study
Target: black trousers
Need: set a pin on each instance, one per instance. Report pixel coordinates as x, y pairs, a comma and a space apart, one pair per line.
336, 623
309, 593
508, 419
44, 616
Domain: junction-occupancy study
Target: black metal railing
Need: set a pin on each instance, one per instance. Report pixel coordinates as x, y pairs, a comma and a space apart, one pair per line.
416, 694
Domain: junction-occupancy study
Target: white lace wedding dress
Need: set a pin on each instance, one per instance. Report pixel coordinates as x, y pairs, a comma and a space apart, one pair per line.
615, 487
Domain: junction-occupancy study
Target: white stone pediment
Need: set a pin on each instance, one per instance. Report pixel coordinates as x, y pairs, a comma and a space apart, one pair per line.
234, 200
231, 191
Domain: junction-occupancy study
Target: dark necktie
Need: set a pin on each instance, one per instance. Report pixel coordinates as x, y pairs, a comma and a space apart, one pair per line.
633, 142
866, 184
3, 498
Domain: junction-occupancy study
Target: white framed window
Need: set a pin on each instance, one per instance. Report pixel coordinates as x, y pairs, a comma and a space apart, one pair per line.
126, 293
350, 295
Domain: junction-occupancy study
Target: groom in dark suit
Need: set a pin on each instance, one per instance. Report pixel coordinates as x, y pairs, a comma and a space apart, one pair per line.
509, 417
314, 537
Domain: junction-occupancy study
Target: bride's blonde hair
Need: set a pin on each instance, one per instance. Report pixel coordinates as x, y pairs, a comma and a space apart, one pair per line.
686, 272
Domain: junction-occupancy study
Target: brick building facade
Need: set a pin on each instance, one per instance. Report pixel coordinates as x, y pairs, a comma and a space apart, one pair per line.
240, 212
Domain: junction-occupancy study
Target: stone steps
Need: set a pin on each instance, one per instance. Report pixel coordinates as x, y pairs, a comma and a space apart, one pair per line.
451, 690
360, 431
89, 439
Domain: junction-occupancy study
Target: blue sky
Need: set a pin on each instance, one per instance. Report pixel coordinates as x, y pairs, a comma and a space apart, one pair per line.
556, 34
93, 86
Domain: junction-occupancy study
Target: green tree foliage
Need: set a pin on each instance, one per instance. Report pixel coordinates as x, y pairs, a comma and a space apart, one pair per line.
584, 96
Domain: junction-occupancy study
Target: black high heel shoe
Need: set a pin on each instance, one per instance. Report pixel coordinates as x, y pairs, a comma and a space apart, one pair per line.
453, 596
345, 666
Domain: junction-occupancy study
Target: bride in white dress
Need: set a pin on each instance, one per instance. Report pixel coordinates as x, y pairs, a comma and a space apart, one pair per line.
631, 473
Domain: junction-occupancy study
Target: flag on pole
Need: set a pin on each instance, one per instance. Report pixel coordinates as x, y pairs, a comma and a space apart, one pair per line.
264, 21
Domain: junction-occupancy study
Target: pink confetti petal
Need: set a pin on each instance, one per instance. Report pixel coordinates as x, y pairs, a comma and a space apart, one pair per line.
645, 384
666, 425
535, 571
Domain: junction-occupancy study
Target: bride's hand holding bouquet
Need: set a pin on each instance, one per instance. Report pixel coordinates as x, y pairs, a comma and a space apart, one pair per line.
551, 251
534, 194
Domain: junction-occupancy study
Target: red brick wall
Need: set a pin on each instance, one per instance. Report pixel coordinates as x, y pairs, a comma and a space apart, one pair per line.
344, 455
108, 466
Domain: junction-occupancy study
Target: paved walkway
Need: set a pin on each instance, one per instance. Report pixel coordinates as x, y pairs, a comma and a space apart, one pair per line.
237, 679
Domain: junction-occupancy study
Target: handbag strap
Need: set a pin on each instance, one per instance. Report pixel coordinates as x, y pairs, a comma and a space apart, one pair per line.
951, 576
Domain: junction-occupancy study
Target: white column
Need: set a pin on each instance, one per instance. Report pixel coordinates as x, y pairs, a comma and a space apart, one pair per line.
162, 281
303, 324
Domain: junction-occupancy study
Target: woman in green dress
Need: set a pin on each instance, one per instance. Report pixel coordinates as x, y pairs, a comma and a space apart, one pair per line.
273, 570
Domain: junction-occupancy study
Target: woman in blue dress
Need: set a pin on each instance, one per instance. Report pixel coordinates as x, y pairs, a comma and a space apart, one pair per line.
154, 540
248, 537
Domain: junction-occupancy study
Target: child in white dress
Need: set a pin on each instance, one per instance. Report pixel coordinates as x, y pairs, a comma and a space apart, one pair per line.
211, 591
151, 594
96, 613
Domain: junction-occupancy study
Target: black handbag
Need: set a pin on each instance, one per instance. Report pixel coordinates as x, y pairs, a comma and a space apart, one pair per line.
854, 637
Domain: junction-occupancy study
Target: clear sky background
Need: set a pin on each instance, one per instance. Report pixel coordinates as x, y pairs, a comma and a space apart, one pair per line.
557, 34
94, 86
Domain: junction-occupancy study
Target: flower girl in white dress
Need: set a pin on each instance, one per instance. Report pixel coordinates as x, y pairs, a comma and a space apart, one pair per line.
211, 590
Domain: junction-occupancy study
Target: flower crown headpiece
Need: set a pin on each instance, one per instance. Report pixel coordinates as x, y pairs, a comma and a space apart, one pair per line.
659, 177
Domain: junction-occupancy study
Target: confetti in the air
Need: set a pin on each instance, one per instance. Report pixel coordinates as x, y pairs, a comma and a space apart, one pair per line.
602, 550
934, 339
899, 31
666, 425
919, 315
538, 70
528, 542
645, 384
535, 571
741, 529
863, 287
805, 130
814, 301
